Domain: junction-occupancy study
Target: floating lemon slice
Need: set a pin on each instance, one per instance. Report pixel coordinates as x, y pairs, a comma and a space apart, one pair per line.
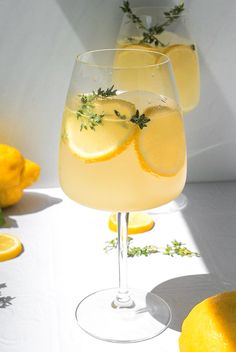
10, 247
135, 58
109, 138
161, 145
182, 55
186, 70
138, 222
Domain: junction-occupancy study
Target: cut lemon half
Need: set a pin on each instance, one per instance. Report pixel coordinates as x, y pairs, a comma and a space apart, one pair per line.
10, 247
138, 222
109, 138
161, 145
184, 60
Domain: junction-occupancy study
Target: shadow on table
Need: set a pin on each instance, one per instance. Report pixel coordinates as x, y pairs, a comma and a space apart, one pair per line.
5, 301
211, 218
31, 202
183, 293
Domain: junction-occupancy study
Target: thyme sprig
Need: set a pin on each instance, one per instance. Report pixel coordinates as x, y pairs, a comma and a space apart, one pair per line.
89, 119
2, 220
140, 120
150, 34
175, 249
86, 114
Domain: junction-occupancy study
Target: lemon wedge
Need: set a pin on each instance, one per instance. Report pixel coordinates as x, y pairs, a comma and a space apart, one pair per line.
161, 145
109, 138
10, 247
186, 71
138, 222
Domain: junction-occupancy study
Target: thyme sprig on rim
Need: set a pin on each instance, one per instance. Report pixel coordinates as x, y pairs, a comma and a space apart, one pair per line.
89, 119
176, 248
150, 34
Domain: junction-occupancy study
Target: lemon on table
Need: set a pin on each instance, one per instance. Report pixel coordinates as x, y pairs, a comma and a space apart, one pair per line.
210, 326
109, 138
138, 222
161, 146
10, 247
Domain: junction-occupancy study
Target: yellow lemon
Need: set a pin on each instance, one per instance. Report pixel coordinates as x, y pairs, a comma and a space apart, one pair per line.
161, 145
138, 222
186, 71
210, 326
10, 247
109, 138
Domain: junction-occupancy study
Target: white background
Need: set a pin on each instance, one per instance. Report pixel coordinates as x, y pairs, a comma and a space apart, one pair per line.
39, 41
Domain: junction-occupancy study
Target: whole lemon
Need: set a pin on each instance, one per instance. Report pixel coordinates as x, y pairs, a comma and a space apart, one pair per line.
16, 173
211, 325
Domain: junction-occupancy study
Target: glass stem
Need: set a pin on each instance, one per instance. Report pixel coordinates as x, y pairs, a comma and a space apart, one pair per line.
123, 299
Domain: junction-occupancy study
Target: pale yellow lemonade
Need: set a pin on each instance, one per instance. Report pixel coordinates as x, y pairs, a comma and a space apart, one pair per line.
118, 166
184, 58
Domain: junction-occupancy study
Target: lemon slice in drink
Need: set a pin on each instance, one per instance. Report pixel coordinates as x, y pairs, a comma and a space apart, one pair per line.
10, 247
186, 70
138, 222
161, 145
109, 138
127, 58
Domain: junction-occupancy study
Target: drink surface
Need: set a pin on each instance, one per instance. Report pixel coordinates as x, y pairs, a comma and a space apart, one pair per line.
116, 165
184, 59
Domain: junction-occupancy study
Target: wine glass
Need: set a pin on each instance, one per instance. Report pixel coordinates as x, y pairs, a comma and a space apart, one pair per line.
166, 30
122, 149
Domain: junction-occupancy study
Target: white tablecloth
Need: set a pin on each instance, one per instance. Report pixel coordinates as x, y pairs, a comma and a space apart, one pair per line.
64, 260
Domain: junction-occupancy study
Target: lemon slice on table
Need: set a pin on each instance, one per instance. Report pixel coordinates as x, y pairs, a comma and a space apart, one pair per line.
10, 247
109, 138
161, 145
138, 222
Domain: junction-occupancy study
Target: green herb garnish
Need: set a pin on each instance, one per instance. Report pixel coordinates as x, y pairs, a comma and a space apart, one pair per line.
176, 248
2, 220
89, 119
140, 120
150, 34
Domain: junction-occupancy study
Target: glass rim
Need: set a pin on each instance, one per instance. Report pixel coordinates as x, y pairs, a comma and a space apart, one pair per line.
80, 60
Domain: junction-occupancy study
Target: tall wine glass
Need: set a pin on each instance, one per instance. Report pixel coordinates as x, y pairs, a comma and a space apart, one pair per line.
122, 149
166, 30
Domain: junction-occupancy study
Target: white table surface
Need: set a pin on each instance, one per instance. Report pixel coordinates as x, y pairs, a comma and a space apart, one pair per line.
63, 261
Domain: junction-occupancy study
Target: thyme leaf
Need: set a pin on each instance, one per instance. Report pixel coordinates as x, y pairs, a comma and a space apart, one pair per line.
140, 120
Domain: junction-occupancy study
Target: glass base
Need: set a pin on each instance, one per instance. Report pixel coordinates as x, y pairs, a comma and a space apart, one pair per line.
147, 316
